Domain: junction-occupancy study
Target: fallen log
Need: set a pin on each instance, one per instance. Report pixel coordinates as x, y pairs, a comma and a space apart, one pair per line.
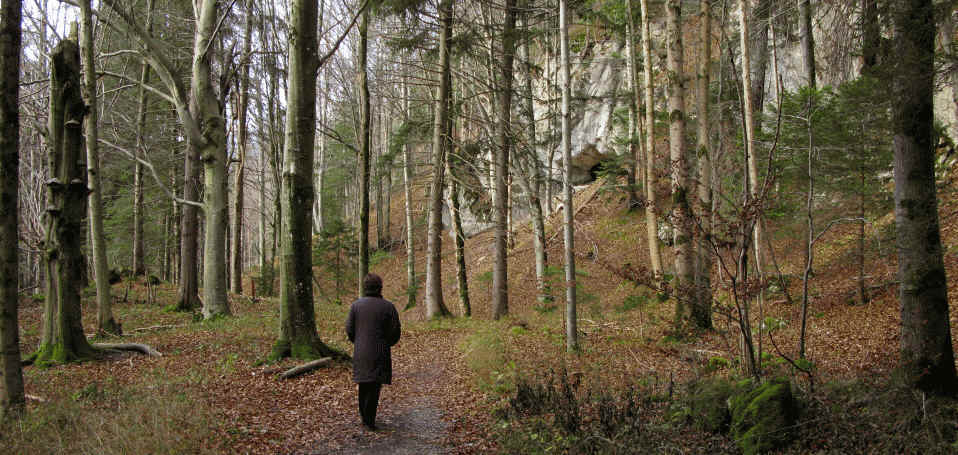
136, 347
305, 368
157, 327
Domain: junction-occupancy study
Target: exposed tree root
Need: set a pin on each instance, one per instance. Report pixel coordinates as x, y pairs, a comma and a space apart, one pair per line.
137, 347
305, 368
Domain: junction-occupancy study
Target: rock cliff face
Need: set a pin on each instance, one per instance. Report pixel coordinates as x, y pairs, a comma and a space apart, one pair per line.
600, 91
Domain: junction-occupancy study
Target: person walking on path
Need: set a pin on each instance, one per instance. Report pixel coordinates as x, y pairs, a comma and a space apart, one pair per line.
373, 328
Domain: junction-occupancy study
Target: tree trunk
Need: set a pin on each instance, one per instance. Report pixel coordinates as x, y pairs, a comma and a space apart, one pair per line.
500, 198
363, 86
408, 175
188, 298
750, 364
298, 336
105, 320
236, 250
318, 218
702, 305
948, 44
387, 182
63, 339
871, 37
862, 174
139, 264
435, 307
635, 132
809, 233
462, 283
534, 175
681, 208
808, 43
12, 400
927, 358
572, 334
380, 168
214, 158
651, 223
757, 64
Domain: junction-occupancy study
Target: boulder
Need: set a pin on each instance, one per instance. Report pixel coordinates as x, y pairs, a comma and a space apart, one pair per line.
763, 417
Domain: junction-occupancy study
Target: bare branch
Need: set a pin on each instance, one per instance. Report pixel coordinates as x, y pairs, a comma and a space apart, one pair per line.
156, 176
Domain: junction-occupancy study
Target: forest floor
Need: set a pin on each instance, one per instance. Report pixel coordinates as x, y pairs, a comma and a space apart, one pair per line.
455, 379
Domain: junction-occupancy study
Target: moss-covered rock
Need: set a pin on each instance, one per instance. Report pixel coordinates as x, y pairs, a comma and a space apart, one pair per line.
762, 418
709, 405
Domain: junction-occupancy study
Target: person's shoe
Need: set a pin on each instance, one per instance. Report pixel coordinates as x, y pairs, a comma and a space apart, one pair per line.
370, 426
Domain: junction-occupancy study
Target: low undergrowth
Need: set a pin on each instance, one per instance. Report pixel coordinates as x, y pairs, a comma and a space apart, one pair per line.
555, 413
103, 418
885, 417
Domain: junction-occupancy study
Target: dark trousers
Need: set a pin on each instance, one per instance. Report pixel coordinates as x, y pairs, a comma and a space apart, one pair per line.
368, 401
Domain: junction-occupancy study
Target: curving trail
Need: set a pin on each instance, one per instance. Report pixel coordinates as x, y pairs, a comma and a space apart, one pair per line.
431, 407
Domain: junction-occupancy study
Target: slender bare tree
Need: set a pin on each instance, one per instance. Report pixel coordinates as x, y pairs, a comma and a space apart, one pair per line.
679, 168
572, 334
702, 305
106, 323
651, 223
364, 139
435, 307
139, 262
239, 176
501, 208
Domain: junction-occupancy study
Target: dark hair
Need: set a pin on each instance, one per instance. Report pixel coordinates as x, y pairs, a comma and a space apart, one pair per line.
372, 285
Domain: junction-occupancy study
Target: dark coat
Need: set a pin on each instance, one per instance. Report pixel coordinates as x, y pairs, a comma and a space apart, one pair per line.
373, 327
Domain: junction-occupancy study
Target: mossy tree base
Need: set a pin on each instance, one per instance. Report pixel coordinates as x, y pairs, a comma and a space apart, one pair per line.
304, 350
59, 354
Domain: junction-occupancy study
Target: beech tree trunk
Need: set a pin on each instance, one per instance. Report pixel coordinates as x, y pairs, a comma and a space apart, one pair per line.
318, 218
572, 333
651, 223
139, 263
534, 178
435, 307
298, 336
12, 400
105, 320
500, 198
702, 304
635, 132
63, 339
215, 160
750, 183
808, 43
462, 283
364, 135
236, 243
927, 358
408, 175
681, 207
757, 64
